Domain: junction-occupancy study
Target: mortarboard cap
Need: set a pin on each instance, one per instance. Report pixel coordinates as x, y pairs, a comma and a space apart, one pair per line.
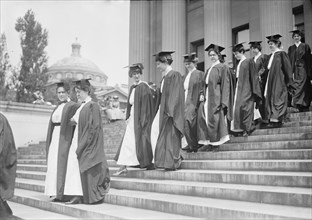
238, 46
274, 38
164, 56
82, 83
215, 47
136, 67
190, 57
296, 32
252, 43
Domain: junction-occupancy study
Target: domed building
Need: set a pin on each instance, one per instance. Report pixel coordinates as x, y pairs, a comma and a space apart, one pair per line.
76, 67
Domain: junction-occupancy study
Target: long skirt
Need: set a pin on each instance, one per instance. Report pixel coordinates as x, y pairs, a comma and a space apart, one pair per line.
73, 179
128, 155
51, 176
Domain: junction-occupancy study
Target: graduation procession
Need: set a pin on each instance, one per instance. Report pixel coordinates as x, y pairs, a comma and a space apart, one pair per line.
217, 121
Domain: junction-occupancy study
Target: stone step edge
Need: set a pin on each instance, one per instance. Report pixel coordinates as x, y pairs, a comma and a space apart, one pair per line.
38, 186
36, 199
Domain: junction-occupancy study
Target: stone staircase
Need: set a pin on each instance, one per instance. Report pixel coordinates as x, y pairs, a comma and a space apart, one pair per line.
263, 176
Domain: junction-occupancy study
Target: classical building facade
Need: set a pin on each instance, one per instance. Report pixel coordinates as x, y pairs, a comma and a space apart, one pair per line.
191, 25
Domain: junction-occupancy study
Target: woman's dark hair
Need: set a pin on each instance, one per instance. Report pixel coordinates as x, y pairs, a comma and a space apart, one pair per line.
164, 59
216, 51
256, 46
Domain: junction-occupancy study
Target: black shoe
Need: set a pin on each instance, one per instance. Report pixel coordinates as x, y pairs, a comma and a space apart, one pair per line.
75, 200
56, 200
186, 148
205, 148
191, 150
215, 148
150, 167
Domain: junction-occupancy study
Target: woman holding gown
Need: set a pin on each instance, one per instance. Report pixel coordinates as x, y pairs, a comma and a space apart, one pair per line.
87, 176
217, 105
136, 149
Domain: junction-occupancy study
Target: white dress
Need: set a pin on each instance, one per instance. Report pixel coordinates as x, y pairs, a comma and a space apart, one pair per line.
127, 155
73, 180
51, 176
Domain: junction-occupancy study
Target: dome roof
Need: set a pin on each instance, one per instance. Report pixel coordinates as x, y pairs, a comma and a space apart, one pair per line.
76, 63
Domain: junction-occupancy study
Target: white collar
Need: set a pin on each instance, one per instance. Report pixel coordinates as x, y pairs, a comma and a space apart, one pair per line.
192, 70
257, 56
215, 63
168, 69
297, 44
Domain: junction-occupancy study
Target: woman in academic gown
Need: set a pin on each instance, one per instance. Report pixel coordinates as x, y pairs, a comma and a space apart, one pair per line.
87, 176
136, 148
246, 93
8, 161
259, 73
279, 82
217, 103
301, 63
168, 124
193, 86
59, 137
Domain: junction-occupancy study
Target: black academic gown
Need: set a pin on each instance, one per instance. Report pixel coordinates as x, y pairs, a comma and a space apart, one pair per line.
220, 90
171, 122
66, 136
195, 88
90, 153
301, 63
260, 73
245, 93
8, 161
278, 82
144, 104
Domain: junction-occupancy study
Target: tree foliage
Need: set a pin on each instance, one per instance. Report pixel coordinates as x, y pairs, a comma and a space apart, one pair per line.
34, 40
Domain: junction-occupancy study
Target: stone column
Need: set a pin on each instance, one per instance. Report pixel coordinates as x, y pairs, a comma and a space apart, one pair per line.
307, 11
217, 20
276, 17
139, 51
174, 31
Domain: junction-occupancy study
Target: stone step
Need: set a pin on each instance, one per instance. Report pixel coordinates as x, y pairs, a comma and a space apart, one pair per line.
209, 208
294, 196
300, 114
42, 151
283, 130
30, 213
268, 145
96, 211
256, 154
260, 165
190, 205
32, 167
29, 156
32, 161
267, 178
297, 123
272, 137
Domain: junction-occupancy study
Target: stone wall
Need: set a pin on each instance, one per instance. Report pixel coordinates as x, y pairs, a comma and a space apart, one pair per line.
29, 123
113, 134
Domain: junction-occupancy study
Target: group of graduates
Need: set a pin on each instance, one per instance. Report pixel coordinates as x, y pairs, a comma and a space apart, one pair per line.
200, 112
195, 112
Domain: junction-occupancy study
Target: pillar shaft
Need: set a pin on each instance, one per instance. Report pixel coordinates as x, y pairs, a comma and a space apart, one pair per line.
307, 10
217, 20
174, 31
276, 17
139, 42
